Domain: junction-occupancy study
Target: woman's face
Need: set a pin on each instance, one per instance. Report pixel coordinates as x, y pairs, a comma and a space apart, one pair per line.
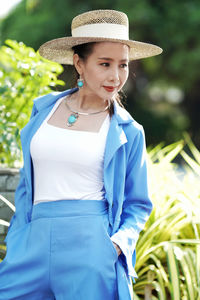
106, 70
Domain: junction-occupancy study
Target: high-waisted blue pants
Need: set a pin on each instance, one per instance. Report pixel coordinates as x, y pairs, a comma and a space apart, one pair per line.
64, 253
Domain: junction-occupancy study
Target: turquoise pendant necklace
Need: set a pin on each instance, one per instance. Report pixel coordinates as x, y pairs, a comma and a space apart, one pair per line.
72, 119
75, 114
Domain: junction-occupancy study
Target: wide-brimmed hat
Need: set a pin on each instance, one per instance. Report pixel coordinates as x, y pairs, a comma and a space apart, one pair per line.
96, 26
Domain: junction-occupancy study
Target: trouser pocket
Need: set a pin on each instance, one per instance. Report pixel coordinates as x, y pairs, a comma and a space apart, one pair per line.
105, 230
13, 242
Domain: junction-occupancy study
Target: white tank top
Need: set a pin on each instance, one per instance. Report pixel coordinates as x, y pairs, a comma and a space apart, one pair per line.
68, 164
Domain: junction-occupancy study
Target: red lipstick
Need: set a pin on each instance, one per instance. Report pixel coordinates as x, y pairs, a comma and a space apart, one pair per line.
109, 88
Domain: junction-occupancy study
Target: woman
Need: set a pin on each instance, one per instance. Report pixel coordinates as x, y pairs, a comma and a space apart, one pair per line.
83, 196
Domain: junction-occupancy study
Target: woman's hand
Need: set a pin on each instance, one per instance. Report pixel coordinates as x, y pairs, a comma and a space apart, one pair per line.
117, 248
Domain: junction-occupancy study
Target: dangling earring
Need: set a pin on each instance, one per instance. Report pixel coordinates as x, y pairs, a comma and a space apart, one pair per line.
80, 83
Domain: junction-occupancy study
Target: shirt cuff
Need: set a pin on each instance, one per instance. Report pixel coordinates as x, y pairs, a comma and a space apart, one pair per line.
126, 255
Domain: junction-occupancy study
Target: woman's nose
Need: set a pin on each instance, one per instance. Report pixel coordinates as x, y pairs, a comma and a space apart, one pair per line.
114, 76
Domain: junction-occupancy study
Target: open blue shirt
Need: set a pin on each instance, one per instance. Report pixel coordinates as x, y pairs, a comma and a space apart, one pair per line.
125, 177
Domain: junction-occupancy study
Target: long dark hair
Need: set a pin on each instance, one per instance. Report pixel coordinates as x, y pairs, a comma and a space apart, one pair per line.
84, 51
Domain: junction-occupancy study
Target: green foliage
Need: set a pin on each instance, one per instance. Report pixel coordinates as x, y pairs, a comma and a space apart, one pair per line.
24, 75
2, 251
168, 249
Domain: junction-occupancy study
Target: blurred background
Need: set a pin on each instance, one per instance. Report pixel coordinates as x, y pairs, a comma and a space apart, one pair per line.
162, 91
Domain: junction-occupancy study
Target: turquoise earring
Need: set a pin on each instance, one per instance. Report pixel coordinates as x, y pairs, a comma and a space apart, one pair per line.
80, 83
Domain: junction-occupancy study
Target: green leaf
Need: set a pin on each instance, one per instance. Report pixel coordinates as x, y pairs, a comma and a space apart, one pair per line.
24, 76
173, 272
191, 162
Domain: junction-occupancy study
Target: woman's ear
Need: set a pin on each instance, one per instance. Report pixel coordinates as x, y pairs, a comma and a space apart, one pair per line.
77, 63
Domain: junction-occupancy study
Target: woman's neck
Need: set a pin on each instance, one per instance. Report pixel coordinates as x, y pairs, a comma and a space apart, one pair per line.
81, 101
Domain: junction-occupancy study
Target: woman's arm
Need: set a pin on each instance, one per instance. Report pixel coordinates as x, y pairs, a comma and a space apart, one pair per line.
137, 205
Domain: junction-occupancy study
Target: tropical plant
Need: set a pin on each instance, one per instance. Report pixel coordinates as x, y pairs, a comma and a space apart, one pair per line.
168, 250
24, 75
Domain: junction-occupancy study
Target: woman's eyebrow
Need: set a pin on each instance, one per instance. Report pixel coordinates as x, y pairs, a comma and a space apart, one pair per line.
110, 59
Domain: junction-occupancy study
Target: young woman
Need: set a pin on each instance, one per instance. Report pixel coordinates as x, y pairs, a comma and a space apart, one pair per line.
83, 195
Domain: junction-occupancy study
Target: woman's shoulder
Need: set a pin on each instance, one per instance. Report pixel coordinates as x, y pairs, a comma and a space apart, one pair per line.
126, 120
133, 130
44, 101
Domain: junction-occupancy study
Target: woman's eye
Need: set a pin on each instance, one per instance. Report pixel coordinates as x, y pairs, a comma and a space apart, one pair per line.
124, 65
105, 64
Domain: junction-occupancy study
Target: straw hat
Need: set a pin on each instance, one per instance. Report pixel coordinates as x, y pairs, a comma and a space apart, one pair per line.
96, 26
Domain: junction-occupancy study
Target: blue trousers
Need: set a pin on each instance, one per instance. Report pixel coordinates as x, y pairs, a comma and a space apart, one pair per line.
64, 253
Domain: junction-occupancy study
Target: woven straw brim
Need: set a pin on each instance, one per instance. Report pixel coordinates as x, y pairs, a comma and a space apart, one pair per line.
59, 50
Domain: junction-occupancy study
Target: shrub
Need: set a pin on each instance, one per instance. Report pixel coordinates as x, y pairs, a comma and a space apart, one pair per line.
168, 250
24, 75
